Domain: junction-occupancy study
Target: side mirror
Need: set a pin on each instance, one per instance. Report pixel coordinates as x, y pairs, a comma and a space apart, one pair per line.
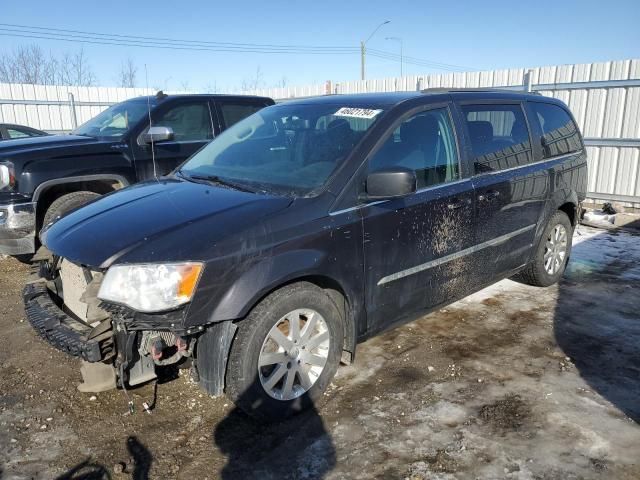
390, 183
157, 134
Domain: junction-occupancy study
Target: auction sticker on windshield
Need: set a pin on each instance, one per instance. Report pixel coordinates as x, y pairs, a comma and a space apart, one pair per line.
367, 113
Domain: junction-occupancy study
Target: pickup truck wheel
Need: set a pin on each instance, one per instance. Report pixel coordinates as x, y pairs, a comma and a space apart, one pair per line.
552, 254
285, 352
66, 203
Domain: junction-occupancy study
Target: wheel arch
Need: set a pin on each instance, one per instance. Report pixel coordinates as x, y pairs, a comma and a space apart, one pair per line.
50, 190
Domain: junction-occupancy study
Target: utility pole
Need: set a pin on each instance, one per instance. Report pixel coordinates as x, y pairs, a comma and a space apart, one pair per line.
397, 39
363, 48
362, 56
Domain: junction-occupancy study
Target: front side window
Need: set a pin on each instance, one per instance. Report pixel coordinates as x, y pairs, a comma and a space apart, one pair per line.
559, 134
116, 120
189, 122
284, 149
232, 113
499, 137
425, 144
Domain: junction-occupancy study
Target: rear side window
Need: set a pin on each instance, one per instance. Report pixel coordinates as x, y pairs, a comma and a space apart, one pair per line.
559, 134
13, 133
232, 113
499, 137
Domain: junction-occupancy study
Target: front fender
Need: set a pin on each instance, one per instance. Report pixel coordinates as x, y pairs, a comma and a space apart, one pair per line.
262, 278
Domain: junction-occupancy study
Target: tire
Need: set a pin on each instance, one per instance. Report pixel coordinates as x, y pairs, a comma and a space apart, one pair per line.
536, 273
64, 204
249, 387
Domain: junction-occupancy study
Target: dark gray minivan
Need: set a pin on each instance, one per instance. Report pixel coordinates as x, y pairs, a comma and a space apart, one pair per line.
306, 228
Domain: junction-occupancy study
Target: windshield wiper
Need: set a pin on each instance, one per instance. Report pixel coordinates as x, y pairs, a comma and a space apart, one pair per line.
218, 181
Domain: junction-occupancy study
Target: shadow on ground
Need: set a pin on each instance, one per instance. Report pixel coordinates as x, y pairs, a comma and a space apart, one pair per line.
296, 448
88, 470
604, 349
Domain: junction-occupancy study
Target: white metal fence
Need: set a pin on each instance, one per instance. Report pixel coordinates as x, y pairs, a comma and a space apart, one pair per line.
58, 108
604, 97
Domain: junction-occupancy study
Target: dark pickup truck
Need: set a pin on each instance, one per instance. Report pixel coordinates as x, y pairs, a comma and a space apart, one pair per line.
44, 177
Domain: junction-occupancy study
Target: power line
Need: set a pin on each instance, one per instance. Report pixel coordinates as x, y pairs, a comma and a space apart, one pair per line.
75, 36
129, 40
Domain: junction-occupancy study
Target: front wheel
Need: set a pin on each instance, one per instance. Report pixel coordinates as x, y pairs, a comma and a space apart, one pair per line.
285, 352
552, 254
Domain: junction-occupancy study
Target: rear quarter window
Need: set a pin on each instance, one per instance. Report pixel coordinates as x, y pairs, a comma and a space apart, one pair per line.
560, 135
499, 136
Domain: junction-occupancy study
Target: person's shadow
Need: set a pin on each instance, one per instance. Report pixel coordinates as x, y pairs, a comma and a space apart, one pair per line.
597, 320
298, 448
89, 470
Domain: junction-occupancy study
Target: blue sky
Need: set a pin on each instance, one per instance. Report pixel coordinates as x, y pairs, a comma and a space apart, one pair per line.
483, 35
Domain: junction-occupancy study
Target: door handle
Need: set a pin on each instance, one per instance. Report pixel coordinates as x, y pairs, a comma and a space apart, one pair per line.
456, 204
489, 195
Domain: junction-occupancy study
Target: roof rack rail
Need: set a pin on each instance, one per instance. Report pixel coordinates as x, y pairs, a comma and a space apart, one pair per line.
514, 89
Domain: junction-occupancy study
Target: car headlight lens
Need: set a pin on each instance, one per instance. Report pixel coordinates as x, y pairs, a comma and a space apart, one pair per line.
7, 176
151, 287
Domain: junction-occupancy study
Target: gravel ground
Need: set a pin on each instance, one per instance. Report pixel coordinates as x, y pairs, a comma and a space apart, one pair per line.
513, 382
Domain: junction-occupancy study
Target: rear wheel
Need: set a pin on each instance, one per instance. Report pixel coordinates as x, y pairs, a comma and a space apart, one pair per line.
285, 353
552, 254
66, 203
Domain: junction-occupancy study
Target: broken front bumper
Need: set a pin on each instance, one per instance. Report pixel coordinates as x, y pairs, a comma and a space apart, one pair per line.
17, 228
93, 344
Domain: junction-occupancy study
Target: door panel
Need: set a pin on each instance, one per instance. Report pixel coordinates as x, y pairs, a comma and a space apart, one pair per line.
511, 190
411, 244
410, 249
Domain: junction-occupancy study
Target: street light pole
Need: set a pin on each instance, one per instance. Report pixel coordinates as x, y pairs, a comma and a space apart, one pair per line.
397, 39
363, 48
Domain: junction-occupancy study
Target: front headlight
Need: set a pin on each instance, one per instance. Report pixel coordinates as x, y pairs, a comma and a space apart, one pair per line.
7, 176
151, 287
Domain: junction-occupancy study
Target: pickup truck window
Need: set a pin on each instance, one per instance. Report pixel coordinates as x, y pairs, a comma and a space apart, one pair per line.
14, 133
189, 122
559, 133
116, 120
499, 136
232, 113
425, 144
284, 149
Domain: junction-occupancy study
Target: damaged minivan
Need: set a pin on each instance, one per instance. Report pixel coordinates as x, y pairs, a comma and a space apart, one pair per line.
304, 229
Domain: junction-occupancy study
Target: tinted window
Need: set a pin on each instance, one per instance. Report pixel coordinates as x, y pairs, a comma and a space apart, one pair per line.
232, 113
425, 144
559, 134
499, 136
13, 133
190, 122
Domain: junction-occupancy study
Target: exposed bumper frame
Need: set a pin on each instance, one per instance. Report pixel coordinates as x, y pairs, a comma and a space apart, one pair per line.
17, 228
61, 330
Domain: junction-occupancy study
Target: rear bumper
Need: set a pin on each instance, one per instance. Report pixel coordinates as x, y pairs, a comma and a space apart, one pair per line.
17, 228
63, 331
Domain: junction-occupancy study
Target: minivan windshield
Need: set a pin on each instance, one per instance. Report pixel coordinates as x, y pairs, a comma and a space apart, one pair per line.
284, 149
116, 120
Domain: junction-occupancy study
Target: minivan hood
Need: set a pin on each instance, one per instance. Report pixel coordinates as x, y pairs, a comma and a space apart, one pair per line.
157, 221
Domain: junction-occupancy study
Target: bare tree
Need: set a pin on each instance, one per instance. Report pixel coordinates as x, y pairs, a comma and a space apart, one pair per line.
254, 82
74, 69
30, 64
211, 87
128, 73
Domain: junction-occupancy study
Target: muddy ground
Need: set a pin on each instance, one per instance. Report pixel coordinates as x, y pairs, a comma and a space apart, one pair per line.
513, 382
